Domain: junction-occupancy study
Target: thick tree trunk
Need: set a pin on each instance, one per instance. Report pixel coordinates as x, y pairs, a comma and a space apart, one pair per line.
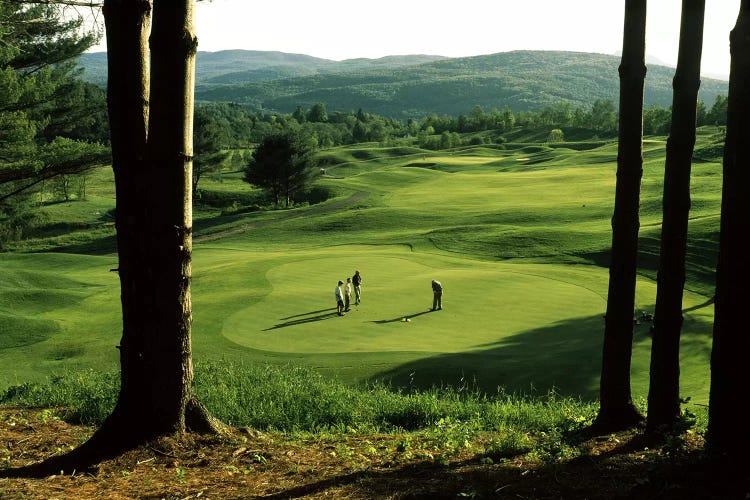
617, 409
664, 389
727, 422
128, 25
151, 129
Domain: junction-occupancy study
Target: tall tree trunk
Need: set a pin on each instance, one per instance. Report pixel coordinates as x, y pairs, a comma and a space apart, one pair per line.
151, 129
128, 24
163, 299
727, 422
664, 389
617, 409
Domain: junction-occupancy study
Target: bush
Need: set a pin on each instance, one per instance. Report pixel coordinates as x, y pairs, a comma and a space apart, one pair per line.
318, 194
221, 199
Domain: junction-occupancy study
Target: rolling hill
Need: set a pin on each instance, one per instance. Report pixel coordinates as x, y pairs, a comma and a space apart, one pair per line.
418, 85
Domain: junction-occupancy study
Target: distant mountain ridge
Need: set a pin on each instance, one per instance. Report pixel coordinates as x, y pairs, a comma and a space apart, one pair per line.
241, 66
414, 86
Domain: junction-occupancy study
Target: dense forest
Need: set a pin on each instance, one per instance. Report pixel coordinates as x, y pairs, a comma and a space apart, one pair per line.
223, 130
416, 86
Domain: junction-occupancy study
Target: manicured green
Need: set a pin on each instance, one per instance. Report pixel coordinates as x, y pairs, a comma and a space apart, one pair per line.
518, 236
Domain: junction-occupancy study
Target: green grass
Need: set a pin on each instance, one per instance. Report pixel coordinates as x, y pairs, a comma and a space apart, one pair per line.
296, 399
292, 398
519, 237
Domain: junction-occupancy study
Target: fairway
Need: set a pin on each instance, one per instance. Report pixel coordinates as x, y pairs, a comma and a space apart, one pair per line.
518, 237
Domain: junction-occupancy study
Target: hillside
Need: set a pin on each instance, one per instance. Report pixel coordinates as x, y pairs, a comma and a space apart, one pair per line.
416, 86
246, 66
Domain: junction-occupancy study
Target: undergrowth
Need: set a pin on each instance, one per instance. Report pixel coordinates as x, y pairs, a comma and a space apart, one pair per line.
299, 401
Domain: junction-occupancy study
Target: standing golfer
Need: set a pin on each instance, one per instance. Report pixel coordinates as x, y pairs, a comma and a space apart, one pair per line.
347, 294
339, 299
437, 295
357, 282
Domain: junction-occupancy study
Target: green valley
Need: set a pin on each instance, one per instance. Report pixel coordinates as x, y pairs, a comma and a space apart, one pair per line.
517, 233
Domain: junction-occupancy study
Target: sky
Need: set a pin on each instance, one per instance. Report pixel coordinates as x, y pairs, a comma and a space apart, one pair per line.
345, 29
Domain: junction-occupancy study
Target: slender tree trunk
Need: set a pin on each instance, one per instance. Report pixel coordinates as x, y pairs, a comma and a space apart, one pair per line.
617, 409
727, 422
664, 389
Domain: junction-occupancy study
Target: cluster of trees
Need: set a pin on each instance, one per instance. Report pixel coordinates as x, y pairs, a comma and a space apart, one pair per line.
52, 125
658, 120
240, 126
726, 436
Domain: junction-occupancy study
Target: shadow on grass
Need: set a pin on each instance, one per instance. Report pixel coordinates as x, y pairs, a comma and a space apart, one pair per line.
407, 316
699, 306
308, 319
563, 357
100, 246
307, 313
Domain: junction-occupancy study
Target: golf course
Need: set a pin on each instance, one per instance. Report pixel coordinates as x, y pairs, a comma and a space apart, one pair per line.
518, 234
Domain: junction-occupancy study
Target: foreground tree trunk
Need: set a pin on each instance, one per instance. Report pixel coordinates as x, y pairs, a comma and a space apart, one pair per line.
727, 422
156, 245
617, 410
664, 389
151, 132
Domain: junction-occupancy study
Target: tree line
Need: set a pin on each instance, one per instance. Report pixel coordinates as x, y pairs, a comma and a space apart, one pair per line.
55, 126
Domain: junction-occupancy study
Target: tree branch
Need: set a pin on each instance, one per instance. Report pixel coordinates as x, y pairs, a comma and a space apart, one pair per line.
71, 3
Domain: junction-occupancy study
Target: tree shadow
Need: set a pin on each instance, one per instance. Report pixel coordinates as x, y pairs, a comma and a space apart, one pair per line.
563, 357
699, 306
100, 246
608, 475
302, 321
399, 318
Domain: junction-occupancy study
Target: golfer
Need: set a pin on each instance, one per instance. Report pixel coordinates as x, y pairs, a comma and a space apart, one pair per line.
339, 299
357, 282
347, 294
437, 295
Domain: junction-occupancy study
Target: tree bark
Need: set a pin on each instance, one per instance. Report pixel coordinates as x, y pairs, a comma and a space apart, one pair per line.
664, 388
617, 409
150, 115
727, 422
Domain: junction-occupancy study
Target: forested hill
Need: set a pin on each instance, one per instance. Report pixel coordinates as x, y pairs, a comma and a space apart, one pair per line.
416, 86
246, 66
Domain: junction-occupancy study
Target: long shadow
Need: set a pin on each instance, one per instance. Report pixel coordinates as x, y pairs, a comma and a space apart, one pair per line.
307, 313
564, 357
302, 321
101, 246
700, 306
407, 316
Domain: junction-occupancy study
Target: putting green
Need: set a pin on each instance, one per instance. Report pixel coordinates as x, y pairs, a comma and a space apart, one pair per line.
483, 303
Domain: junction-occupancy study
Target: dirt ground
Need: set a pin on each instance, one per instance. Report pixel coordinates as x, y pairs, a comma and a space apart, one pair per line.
252, 464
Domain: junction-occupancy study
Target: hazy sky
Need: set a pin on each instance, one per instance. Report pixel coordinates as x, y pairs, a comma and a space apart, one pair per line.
343, 29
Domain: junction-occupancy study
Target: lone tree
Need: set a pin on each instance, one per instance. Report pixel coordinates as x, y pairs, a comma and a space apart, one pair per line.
664, 388
617, 410
282, 165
